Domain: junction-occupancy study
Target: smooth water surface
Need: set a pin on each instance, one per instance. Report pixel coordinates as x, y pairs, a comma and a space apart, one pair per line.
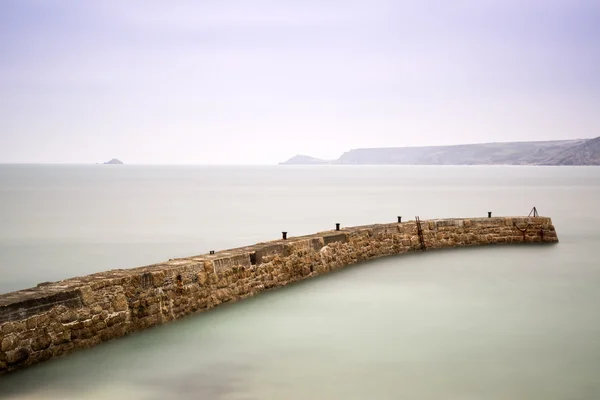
505, 322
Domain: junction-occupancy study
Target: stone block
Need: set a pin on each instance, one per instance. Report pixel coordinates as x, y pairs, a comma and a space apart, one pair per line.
68, 316
335, 238
7, 327
41, 342
81, 334
17, 356
61, 337
32, 322
268, 251
9, 343
120, 303
28, 304
87, 295
96, 309
146, 281
229, 262
202, 277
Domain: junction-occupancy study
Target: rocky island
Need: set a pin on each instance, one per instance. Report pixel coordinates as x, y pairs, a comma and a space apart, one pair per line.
114, 161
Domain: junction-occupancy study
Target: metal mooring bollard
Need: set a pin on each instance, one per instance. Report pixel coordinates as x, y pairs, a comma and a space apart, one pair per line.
489, 214
337, 226
284, 234
399, 219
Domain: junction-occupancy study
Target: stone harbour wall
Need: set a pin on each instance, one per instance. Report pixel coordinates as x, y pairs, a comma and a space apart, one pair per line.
53, 319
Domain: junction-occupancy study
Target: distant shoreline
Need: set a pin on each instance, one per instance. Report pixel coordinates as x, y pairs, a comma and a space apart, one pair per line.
56, 164
583, 152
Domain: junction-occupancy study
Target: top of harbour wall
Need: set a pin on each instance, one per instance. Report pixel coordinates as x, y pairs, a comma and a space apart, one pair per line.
72, 292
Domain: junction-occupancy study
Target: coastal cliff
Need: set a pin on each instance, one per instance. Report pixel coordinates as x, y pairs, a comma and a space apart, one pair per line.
557, 152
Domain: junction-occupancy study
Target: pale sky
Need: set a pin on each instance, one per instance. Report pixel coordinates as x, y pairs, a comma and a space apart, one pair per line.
257, 82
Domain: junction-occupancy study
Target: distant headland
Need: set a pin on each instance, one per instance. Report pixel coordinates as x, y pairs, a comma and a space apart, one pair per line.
557, 152
114, 161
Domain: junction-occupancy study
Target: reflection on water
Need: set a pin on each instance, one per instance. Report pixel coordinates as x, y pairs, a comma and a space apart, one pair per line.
512, 322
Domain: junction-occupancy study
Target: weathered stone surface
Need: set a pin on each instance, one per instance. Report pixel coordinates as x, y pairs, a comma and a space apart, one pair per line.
68, 316
56, 318
334, 237
17, 356
41, 342
97, 309
9, 343
61, 337
120, 302
7, 328
87, 295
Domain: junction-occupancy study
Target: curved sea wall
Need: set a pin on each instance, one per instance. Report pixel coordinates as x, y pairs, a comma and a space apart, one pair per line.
57, 318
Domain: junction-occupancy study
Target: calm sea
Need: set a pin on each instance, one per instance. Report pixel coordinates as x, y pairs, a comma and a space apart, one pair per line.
513, 322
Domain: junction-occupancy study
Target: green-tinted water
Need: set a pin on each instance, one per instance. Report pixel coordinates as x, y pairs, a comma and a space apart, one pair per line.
487, 323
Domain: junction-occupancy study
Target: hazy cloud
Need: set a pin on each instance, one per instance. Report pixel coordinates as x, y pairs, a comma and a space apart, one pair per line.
259, 81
